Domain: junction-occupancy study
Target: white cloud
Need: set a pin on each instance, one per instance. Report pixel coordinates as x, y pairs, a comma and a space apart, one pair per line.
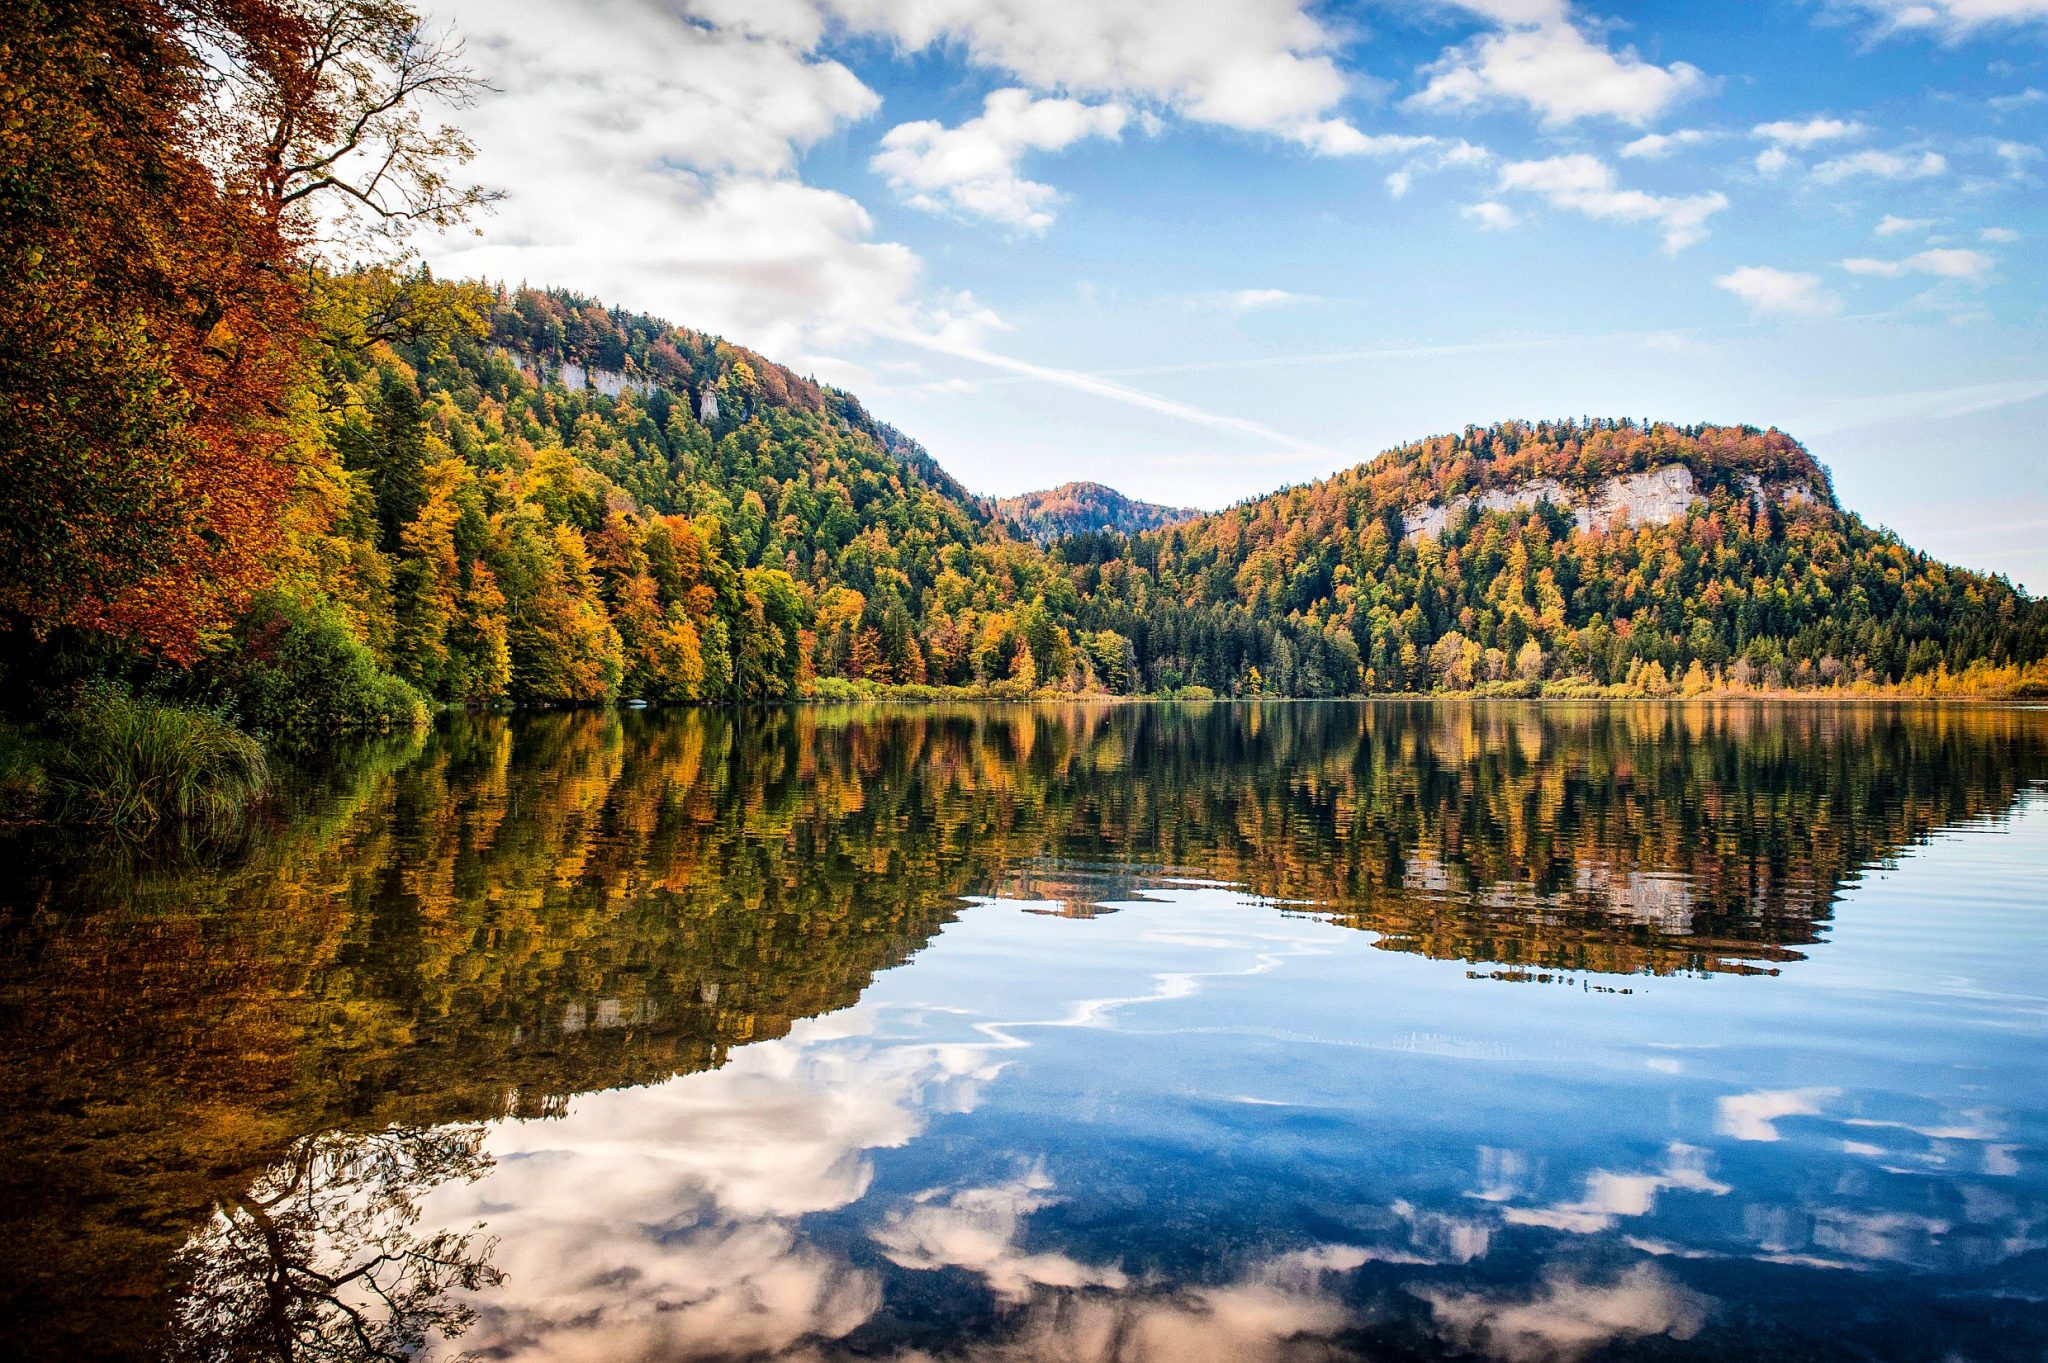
1780, 293
1256, 65
1891, 225
1610, 1196
1586, 184
1943, 263
2016, 154
653, 155
652, 162
1810, 132
973, 168
1753, 1116
1882, 165
691, 1192
1656, 146
1491, 216
1283, 1307
1541, 59
976, 1229
1432, 155
2007, 103
1250, 300
1772, 161
1947, 18
1566, 1318
1999, 234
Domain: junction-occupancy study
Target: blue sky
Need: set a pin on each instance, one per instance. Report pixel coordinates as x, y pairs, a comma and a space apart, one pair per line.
1197, 251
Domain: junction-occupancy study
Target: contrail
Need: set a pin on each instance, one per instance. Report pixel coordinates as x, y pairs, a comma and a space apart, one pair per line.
1104, 388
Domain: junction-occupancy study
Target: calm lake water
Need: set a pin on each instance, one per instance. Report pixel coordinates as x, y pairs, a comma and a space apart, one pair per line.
1145, 1033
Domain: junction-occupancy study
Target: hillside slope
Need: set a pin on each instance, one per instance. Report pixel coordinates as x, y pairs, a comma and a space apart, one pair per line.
1590, 549
564, 503
1080, 508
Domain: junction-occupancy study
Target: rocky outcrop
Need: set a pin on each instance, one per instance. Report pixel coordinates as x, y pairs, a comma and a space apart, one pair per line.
570, 374
1655, 496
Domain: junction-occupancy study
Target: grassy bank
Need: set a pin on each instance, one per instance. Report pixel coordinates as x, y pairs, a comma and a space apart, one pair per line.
129, 763
192, 747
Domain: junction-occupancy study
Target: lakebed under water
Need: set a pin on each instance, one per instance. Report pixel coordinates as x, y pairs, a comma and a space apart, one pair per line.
1137, 1032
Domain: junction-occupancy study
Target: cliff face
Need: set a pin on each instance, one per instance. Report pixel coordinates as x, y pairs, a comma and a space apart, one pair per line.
1656, 496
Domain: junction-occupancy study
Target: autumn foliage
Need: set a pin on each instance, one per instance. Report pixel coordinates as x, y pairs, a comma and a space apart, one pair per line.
149, 331
230, 458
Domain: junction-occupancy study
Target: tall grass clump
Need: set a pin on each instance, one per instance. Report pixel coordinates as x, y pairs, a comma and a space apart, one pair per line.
24, 773
131, 763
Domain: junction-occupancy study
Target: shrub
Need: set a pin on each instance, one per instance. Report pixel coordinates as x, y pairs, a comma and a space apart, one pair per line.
836, 690
130, 762
297, 668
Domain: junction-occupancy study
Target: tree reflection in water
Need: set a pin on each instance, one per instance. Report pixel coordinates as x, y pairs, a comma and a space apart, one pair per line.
490, 919
324, 1257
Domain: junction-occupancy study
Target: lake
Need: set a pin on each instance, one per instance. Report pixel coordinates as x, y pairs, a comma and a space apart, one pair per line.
1142, 1033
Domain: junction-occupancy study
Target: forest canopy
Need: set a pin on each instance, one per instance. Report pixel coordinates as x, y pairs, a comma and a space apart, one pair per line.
244, 468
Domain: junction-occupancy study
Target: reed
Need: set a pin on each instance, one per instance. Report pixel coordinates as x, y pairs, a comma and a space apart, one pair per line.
132, 763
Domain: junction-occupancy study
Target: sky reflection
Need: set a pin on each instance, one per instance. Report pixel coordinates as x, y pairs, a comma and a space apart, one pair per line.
1152, 1143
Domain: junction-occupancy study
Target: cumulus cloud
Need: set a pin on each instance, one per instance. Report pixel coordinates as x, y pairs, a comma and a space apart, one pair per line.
1432, 154
1892, 225
1283, 1307
1264, 66
1754, 1116
973, 168
652, 150
1491, 216
1772, 161
653, 161
1881, 165
1807, 132
662, 1221
1657, 146
1586, 184
1999, 234
1943, 263
1540, 58
976, 1229
1565, 1318
1779, 293
1610, 1196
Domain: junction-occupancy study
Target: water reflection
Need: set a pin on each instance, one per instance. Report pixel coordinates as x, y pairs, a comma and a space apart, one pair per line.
1195, 1125
324, 1256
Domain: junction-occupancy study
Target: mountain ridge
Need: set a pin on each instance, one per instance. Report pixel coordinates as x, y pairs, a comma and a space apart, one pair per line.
1081, 506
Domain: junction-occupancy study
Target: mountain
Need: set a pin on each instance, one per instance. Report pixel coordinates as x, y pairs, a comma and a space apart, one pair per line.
542, 500
1078, 508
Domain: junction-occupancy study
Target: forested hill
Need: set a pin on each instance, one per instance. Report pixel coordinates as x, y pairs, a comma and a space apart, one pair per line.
573, 340
1078, 508
668, 516
1617, 552
524, 496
